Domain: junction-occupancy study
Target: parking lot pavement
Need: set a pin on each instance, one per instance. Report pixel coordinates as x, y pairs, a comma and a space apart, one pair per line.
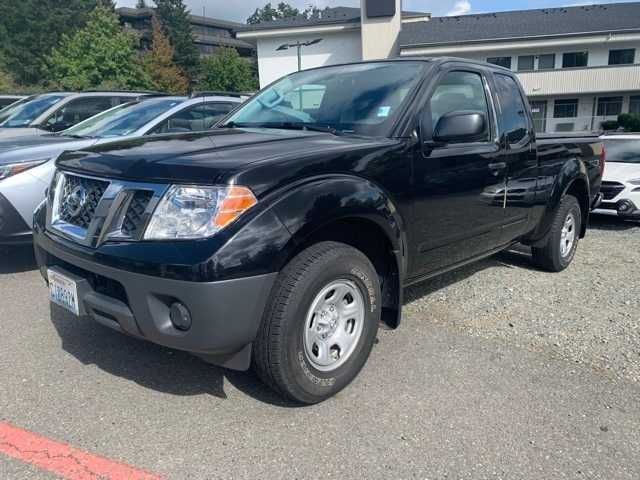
480, 382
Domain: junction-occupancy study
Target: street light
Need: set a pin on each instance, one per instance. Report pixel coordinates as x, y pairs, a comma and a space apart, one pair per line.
299, 46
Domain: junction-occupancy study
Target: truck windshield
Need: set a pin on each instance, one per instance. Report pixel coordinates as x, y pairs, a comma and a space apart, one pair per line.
363, 99
24, 114
623, 151
124, 119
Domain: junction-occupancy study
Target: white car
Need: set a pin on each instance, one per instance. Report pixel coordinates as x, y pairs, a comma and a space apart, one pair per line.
57, 111
27, 164
621, 181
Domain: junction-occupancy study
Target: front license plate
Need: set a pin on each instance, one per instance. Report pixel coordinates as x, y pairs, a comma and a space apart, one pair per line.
63, 291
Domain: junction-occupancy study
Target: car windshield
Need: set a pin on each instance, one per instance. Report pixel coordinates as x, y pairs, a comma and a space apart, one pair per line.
363, 99
122, 120
623, 151
23, 114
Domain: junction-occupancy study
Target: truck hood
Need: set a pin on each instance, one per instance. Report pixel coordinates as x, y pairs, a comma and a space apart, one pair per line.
203, 157
621, 172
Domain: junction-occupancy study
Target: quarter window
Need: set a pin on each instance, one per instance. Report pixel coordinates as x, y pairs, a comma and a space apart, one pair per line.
622, 57
575, 59
515, 123
459, 91
500, 61
609, 106
565, 108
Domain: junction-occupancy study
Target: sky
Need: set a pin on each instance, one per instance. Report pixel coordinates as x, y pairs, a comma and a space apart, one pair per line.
240, 10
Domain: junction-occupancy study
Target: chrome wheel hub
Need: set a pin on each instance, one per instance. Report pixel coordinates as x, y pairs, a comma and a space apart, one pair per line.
334, 325
568, 235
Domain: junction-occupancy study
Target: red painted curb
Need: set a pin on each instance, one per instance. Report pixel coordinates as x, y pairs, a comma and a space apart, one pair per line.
62, 459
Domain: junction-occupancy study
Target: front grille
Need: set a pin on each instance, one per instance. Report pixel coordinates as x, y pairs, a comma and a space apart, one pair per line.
134, 219
79, 199
611, 190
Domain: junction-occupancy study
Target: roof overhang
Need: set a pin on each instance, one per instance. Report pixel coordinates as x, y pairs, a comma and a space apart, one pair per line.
287, 31
494, 45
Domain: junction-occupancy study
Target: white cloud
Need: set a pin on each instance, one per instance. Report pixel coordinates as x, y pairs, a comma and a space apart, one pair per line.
461, 7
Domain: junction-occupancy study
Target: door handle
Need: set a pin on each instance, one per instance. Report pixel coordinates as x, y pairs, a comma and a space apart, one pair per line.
497, 167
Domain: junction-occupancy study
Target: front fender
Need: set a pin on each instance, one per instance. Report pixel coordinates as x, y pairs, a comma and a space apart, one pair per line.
309, 207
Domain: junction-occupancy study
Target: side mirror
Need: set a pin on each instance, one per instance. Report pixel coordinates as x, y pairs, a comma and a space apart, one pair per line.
461, 127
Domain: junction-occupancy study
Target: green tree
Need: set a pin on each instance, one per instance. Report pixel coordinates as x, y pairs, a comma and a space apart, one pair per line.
30, 28
227, 72
268, 13
100, 54
174, 17
163, 73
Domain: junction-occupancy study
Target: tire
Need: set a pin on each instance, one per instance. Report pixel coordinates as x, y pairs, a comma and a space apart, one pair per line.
286, 355
555, 254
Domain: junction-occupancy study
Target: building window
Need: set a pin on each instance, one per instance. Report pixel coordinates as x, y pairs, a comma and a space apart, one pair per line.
525, 63
622, 57
609, 106
565, 108
547, 62
500, 61
634, 104
575, 59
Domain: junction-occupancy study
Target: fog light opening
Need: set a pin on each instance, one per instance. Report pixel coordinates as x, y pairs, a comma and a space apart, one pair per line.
180, 317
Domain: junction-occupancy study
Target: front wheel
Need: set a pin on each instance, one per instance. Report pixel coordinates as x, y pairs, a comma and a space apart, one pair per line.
560, 245
321, 323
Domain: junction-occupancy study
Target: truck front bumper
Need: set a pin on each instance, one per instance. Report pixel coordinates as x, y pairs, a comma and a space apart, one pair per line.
224, 316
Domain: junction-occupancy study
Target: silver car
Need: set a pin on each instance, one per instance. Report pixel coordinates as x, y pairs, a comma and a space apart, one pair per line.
27, 164
6, 100
57, 111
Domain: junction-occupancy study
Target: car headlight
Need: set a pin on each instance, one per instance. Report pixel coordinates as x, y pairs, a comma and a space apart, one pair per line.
11, 169
188, 212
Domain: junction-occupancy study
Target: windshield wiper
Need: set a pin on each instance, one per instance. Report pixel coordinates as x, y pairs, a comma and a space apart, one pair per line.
313, 127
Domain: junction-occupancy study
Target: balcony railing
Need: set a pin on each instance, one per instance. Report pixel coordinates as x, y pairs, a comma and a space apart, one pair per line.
570, 81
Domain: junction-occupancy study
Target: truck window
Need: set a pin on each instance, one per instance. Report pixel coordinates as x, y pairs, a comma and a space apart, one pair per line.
515, 123
459, 91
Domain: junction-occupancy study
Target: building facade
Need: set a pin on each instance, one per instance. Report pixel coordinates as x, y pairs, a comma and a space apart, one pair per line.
580, 66
209, 34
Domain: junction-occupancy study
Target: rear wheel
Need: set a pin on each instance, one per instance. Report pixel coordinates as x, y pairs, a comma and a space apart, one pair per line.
320, 326
560, 245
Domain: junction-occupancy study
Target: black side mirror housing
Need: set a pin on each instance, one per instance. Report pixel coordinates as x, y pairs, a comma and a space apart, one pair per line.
461, 127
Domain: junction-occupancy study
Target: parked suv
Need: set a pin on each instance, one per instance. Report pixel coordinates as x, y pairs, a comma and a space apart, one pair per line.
54, 112
27, 163
621, 183
285, 236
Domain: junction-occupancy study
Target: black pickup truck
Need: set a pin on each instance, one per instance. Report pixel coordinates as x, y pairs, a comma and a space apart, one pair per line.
285, 237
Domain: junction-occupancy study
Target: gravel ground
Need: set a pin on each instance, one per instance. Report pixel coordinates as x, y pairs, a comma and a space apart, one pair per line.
588, 314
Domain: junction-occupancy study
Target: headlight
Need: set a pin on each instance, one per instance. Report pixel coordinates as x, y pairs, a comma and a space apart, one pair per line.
187, 212
12, 169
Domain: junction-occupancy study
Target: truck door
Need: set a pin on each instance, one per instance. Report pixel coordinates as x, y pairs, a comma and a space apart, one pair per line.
519, 154
458, 185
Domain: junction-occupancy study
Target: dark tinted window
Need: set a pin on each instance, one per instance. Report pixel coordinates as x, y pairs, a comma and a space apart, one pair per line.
458, 91
525, 63
565, 108
634, 104
196, 118
575, 59
622, 57
502, 61
514, 121
609, 106
547, 62
76, 111
623, 151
